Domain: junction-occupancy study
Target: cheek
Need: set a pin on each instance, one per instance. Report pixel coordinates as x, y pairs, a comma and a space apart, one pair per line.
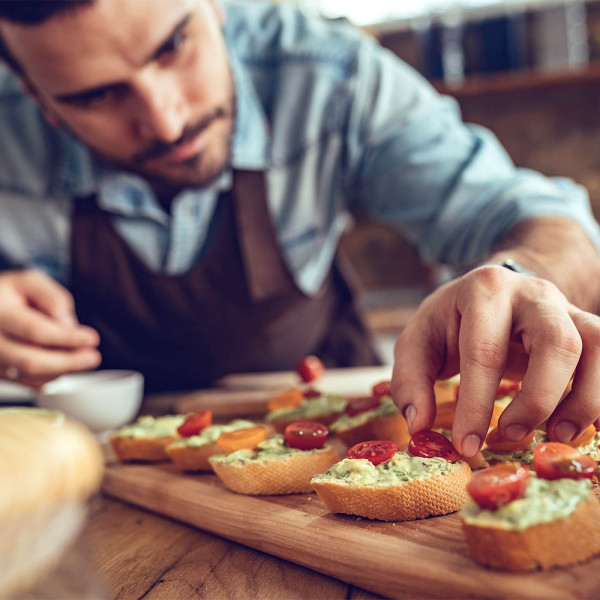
207, 76
110, 133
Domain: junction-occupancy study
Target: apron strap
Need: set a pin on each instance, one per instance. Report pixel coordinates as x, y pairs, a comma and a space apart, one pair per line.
266, 272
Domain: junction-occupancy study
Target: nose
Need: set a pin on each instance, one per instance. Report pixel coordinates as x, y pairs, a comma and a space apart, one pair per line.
160, 113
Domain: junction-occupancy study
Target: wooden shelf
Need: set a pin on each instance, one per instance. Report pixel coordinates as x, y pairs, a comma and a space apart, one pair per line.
518, 81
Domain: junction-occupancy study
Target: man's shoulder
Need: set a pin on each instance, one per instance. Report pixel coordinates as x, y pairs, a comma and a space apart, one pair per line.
35, 158
272, 36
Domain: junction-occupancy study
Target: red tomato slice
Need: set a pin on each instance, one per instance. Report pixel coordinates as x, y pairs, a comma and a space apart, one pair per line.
355, 406
195, 423
310, 368
508, 388
375, 451
498, 485
383, 388
312, 393
553, 460
305, 435
431, 444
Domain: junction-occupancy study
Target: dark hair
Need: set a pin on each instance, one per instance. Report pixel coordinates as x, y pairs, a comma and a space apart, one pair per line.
33, 12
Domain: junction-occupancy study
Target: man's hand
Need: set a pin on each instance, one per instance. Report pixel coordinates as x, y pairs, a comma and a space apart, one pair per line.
493, 322
40, 337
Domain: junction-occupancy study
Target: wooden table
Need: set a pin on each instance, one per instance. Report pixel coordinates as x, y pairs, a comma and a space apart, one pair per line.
138, 554
128, 553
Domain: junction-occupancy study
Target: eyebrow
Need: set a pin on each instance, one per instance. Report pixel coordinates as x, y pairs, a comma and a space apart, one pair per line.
83, 95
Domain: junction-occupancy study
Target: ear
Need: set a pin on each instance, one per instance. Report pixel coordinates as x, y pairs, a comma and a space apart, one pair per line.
50, 116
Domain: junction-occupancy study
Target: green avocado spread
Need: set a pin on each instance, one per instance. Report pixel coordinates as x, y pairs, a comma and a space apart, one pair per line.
387, 408
310, 408
148, 426
210, 434
401, 468
273, 448
544, 501
526, 454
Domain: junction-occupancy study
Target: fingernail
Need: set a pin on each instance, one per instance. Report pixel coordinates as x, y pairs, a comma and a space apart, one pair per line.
470, 445
516, 432
565, 431
93, 360
410, 412
88, 337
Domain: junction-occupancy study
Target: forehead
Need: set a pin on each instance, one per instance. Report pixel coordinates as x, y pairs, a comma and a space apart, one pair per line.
98, 43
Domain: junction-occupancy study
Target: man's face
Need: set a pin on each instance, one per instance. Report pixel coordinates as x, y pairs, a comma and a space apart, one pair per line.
144, 83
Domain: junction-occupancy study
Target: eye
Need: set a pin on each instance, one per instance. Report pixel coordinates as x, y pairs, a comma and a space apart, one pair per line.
173, 44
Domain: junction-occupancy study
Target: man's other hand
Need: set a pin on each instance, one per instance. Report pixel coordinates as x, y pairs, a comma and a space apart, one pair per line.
40, 337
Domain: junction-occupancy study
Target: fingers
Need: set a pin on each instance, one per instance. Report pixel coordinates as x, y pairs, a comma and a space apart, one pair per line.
483, 345
419, 354
47, 295
41, 364
582, 405
30, 325
555, 347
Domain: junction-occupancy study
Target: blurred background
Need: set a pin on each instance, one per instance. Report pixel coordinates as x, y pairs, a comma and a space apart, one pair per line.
527, 69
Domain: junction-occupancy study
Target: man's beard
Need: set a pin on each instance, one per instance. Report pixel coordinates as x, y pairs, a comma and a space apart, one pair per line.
196, 170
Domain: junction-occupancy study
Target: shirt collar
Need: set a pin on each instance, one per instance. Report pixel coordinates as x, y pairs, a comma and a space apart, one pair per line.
251, 138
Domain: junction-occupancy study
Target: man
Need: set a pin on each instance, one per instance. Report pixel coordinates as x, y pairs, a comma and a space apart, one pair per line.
188, 184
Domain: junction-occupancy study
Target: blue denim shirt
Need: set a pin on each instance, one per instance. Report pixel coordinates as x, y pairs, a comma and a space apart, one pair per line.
336, 122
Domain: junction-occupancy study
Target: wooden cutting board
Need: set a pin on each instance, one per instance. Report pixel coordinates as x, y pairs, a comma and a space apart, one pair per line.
427, 558
246, 395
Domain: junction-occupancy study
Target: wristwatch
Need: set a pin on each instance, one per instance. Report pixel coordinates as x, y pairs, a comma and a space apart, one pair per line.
509, 263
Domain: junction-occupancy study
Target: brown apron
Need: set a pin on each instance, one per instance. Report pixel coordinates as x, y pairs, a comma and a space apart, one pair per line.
237, 309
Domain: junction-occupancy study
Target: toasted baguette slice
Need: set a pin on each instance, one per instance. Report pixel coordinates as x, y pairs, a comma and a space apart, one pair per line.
146, 439
189, 458
288, 474
416, 499
562, 542
391, 427
150, 449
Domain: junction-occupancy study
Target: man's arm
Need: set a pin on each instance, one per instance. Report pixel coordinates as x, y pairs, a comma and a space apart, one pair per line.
558, 250
453, 190
493, 322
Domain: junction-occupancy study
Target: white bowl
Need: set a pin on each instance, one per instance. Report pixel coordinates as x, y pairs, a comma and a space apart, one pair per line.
102, 400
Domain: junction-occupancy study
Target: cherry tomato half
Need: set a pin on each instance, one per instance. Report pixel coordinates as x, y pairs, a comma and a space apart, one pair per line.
375, 451
305, 435
241, 439
288, 399
553, 460
355, 406
312, 393
383, 388
498, 485
508, 388
431, 444
310, 368
195, 423
499, 444
585, 438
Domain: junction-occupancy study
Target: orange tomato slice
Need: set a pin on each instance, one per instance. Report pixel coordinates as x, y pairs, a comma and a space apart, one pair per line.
242, 439
444, 416
288, 399
584, 439
498, 410
445, 390
496, 443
